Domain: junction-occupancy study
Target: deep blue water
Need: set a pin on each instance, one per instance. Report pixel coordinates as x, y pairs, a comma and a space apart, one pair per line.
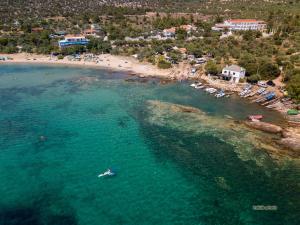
62, 126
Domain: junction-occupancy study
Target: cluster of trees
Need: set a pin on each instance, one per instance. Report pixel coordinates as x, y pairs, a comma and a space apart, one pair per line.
28, 42
263, 58
167, 22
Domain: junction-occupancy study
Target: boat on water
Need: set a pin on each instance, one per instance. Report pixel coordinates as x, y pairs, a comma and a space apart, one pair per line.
107, 173
211, 90
220, 94
255, 117
199, 86
195, 84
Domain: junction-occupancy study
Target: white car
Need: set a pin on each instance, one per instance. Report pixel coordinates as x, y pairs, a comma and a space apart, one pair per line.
262, 84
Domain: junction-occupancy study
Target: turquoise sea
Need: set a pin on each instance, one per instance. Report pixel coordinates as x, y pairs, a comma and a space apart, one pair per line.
62, 126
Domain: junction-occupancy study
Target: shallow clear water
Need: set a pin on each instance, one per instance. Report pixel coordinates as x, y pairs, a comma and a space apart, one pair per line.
59, 130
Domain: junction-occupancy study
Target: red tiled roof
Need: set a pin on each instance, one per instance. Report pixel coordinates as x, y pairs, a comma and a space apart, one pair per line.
37, 29
172, 30
244, 21
74, 36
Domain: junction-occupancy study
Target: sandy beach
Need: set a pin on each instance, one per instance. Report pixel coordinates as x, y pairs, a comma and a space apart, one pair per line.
178, 72
105, 61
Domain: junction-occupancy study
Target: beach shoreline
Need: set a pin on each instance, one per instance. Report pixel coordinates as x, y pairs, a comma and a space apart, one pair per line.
106, 61
134, 67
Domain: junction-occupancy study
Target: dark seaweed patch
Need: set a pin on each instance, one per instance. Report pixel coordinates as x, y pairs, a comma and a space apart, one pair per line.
99, 110
232, 186
57, 140
34, 216
63, 105
62, 220
123, 121
19, 216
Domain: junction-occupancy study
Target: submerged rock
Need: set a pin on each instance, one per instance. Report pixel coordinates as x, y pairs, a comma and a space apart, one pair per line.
247, 140
291, 140
291, 143
263, 126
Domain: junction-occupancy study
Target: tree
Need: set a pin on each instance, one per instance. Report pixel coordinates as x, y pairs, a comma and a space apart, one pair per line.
293, 88
253, 78
162, 63
219, 19
248, 61
195, 49
268, 71
73, 50
175, 56
211, 67
98, 46
181, 34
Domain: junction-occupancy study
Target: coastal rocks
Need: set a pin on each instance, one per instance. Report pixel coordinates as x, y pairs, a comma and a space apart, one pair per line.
263, 126
291, 140
291, 143
255, 142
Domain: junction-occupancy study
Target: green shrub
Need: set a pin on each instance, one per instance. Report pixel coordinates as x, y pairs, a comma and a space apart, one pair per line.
163, 64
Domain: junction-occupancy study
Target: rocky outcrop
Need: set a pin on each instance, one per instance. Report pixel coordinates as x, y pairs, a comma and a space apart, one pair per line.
246, 137
263, 126
292, 143
291, 140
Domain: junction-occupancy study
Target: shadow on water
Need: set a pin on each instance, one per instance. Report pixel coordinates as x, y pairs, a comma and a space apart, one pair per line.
48, 207
98, 111
19, 216
35, 215
123, 121
65, 105
54, 140
231, 186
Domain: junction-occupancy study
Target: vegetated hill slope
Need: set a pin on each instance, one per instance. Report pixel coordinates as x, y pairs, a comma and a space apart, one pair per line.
11, 9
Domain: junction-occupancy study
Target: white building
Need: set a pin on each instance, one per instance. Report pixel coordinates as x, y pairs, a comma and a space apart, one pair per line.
234, 73
73, 40
241, 24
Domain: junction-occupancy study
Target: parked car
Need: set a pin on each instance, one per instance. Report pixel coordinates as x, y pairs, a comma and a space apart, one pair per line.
262, 84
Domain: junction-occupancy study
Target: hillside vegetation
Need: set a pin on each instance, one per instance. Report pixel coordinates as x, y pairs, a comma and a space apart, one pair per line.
264, 57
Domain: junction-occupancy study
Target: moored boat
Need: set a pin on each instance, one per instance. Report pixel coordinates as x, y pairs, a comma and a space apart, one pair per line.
255, 117
292, 112
211, 90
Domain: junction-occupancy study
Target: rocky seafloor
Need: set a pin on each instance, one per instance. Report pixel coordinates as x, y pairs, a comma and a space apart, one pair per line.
277, 142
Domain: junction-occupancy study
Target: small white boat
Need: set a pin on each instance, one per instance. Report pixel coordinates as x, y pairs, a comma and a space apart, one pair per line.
211, 90
264, 92
199, 86
108, 172
195, 84
261, 90
245, 92
220, 95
